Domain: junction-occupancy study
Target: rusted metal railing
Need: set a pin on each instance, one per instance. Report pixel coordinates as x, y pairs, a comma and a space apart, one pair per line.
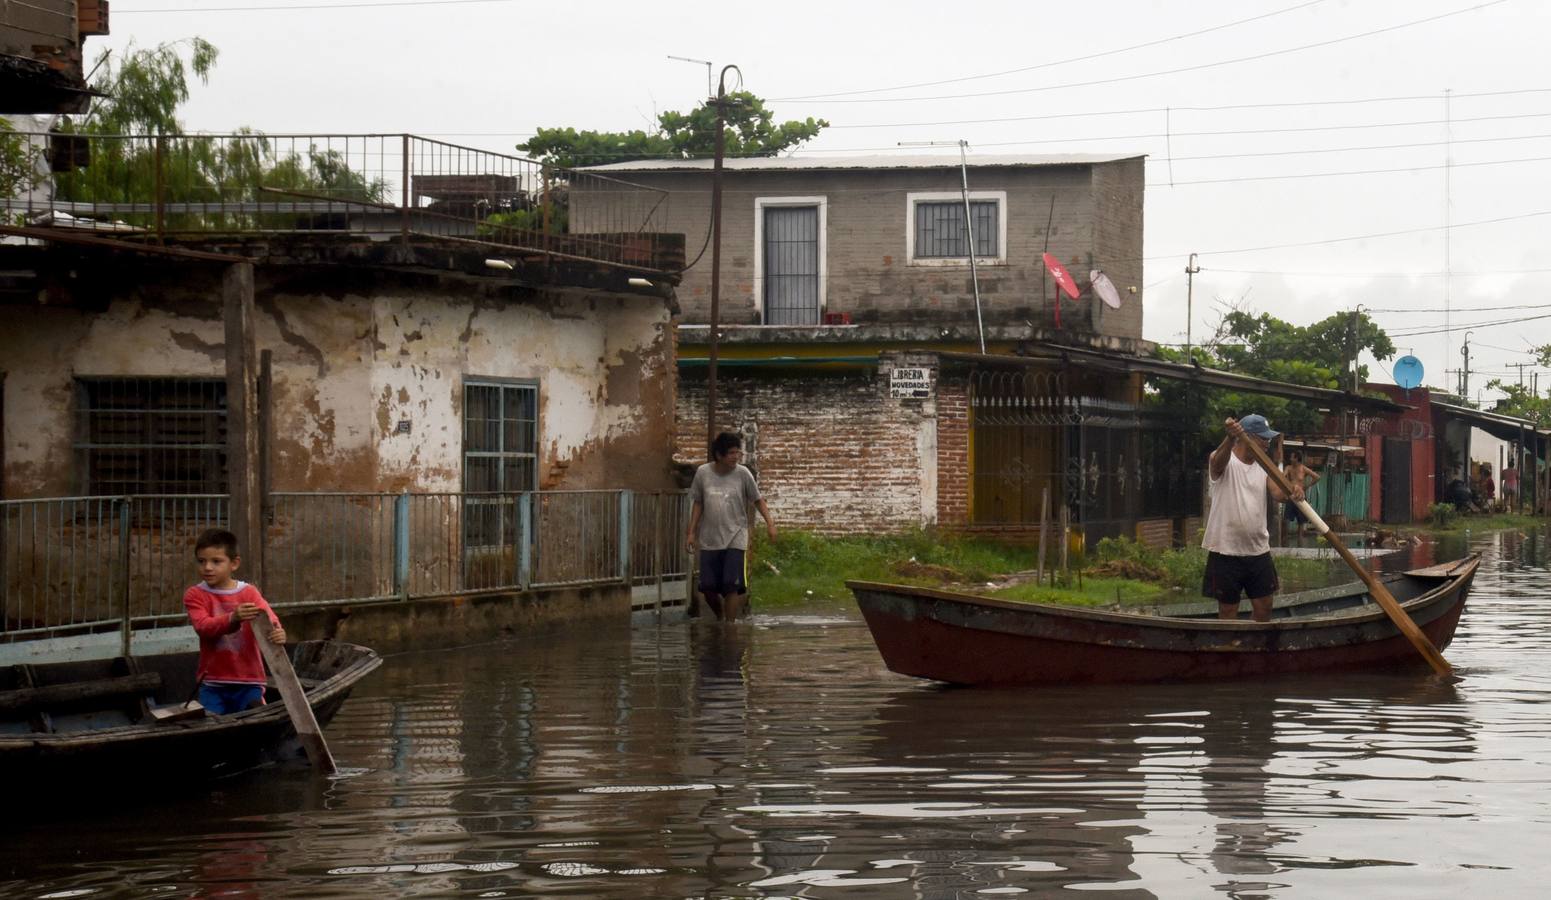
182, 187
96, 563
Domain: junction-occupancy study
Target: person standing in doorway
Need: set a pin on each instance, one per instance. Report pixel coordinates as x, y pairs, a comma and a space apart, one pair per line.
720, 497
1238, 559
1511, 485
1304, 477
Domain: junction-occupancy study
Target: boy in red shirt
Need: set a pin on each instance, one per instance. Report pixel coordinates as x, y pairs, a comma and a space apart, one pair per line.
231, 669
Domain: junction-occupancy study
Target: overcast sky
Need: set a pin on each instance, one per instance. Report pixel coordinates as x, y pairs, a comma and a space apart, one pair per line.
1257, 122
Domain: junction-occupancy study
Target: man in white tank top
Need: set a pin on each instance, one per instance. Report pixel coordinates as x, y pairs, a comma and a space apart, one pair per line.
1238, 559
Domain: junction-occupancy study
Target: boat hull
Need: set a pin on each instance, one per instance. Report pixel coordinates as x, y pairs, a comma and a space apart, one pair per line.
965, 639
189, 749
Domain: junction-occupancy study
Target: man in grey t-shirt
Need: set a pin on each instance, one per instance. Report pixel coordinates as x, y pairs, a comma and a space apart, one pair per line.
721, 494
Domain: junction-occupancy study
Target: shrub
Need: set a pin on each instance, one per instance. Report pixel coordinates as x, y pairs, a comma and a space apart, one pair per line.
1443, 514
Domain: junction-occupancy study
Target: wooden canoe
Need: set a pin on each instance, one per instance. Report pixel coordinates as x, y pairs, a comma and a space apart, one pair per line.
966, 639
128, 718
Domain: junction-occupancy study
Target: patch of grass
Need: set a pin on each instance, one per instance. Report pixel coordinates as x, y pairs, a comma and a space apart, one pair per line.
802, 566
1476, 522
1099, 591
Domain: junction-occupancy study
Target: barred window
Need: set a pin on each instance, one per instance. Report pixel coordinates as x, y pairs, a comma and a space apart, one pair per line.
151, 435
500, 456
940, 229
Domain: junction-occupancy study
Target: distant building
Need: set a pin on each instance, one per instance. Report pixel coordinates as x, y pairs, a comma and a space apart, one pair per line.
850, 339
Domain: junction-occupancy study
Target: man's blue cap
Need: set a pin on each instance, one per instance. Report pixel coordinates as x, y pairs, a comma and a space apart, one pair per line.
1257, 425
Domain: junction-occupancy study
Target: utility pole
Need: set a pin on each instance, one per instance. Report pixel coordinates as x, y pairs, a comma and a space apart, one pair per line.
1464, 374
1356, 346
716, 255
1190, 289
1520, 367
969, 226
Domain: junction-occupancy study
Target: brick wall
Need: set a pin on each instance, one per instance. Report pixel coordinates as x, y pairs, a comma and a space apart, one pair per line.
833, 451
953, 450
1097, 223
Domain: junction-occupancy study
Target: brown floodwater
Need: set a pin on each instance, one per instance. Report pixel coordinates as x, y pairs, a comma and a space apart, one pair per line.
779, 758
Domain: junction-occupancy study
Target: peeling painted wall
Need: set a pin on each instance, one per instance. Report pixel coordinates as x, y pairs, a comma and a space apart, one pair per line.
351, 361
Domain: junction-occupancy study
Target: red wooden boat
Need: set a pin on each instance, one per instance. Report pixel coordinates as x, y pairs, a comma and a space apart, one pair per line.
965, 639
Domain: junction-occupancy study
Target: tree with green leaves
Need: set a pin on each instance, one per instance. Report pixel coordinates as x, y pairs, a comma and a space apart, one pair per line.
1317, 355
137, 148
145, 86
750, 130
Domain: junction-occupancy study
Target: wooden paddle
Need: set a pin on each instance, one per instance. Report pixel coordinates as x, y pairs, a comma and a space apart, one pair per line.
1375, 587
295, 699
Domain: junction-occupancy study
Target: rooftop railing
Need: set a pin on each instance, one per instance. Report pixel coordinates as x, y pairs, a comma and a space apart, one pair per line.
375, 186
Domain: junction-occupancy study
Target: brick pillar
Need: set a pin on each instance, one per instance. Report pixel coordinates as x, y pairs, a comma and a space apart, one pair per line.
953, 485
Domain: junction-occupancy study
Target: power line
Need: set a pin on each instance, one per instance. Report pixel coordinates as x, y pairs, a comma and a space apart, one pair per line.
310, 6
1483, 274
1285, 104
1523, 137
1062, 62
1361, 237
1437, 309
1492, 162
1458, 327
1195, 68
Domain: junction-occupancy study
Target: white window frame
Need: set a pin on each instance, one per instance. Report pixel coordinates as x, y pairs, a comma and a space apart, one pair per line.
759, 249
911, 199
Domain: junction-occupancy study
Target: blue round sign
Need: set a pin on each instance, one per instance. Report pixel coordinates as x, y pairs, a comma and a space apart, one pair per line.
1408, 372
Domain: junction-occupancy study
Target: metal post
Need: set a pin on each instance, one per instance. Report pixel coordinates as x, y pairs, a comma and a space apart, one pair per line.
716, 257
401, 545
625, 504
161, 187
658, 560
969, 230
404, 199
524, 540
127, 639
1190, 289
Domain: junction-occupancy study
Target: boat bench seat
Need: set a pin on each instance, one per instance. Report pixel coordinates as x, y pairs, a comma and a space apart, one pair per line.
35, 698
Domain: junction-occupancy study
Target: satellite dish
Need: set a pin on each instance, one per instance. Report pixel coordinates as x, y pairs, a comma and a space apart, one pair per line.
1104, 288
1408, 372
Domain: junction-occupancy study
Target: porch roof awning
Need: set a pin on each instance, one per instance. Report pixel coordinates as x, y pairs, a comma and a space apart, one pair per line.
1044, 354
1497, 425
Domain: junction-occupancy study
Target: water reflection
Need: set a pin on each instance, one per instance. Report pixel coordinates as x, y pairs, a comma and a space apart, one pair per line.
778, 757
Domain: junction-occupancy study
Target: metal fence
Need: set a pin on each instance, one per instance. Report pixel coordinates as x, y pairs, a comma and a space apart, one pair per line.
96, 562
169, 186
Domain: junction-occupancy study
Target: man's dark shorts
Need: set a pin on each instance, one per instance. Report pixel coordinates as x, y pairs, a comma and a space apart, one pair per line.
1227, 576
721, 572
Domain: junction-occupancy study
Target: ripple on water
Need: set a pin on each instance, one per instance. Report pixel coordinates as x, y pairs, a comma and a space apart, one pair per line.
784, 758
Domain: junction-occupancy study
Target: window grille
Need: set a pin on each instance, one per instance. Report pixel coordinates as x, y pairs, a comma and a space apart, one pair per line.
940, 229
791, 265
500, 457
151, 435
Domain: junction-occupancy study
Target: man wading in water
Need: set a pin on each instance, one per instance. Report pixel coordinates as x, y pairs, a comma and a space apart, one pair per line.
722, 493
1238, 546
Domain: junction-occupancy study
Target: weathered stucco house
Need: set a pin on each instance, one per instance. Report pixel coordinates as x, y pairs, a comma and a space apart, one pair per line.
850, 343
404, 393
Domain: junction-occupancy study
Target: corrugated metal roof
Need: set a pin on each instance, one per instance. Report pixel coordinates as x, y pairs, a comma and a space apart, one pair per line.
822, 163
1043, 353
1495, 424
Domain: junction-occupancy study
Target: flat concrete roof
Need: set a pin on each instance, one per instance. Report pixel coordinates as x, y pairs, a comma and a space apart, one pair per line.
869, 162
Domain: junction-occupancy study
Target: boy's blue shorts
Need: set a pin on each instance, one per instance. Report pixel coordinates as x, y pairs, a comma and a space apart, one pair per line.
225, 699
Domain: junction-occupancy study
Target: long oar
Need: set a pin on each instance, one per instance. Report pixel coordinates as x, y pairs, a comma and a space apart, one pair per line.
296, 702
1375, 587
